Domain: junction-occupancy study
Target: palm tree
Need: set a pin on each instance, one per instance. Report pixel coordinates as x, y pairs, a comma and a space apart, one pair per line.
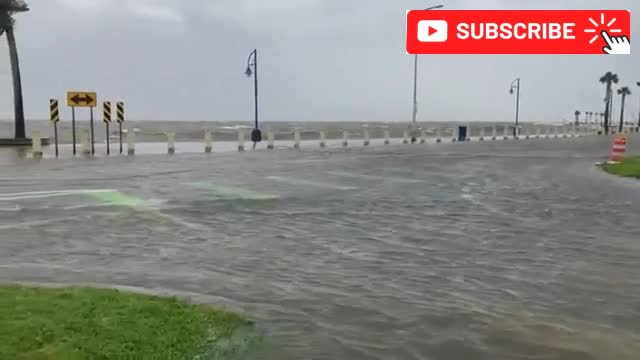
577, 113
7, 9
608, 79
624, 91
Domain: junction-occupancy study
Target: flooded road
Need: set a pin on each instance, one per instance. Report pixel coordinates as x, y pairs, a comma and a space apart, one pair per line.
494, 250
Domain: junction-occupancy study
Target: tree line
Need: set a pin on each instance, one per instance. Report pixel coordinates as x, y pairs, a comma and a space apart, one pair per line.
609, 80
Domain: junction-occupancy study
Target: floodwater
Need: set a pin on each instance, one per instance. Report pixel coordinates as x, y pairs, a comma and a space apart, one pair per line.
482, 250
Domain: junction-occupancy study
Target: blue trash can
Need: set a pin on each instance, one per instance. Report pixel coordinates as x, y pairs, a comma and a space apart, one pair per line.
462, 133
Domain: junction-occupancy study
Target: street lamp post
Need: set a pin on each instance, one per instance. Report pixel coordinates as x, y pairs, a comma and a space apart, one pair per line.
516, 85
252, 61
415, 83
638, 83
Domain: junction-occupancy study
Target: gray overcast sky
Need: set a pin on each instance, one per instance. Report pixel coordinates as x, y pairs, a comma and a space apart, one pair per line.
319, 60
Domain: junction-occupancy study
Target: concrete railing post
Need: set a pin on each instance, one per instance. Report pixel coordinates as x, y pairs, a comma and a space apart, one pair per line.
506, 132
387, 137
240, 140
131, 143
405, 137
86, 142
345, 138
482, 133
171, 143
36, 145
494, 132
208, 141
271, 139
438, 135
366, 137
323, 143
423, 136
296, 138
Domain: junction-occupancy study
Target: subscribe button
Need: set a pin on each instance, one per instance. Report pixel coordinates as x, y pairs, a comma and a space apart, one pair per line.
519, 32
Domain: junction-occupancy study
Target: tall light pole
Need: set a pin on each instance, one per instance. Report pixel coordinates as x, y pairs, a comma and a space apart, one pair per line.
638, 83
415, 82
516, 85
252, 61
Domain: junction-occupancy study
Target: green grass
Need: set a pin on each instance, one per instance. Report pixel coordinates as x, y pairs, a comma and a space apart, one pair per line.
629, 167
83, 323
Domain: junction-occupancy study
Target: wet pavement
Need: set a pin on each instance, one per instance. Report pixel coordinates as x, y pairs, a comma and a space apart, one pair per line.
481, 250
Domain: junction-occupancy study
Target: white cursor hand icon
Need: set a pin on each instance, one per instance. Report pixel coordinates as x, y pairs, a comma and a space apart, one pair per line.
616, 45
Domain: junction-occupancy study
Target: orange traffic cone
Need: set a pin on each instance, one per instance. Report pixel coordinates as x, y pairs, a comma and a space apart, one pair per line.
618, 149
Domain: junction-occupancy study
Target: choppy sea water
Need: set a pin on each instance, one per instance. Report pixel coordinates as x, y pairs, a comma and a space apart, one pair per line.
495, 250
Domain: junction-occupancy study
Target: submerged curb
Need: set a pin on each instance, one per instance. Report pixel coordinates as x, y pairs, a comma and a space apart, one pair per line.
602, 166
243, 343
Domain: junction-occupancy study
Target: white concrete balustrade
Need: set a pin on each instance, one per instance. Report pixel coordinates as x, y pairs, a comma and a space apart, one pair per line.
294, 139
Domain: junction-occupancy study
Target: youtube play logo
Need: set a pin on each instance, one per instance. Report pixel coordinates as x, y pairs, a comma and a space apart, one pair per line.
433, 31
519, 32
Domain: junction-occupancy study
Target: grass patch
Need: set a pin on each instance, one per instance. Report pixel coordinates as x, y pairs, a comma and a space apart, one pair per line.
629, 167
84, 323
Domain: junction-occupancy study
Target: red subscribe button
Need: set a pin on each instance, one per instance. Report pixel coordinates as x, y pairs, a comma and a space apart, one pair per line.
519, 32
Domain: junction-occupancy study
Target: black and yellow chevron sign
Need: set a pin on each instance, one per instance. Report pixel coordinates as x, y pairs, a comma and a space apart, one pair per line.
107, 112
120, 111
55, 113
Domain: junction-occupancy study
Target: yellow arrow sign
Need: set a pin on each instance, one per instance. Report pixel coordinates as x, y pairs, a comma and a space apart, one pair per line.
82, 98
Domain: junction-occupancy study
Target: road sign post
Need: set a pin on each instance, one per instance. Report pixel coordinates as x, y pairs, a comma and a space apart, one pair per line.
107, 120
73, 128
120, 119
55, 118
82, 99
93, 143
